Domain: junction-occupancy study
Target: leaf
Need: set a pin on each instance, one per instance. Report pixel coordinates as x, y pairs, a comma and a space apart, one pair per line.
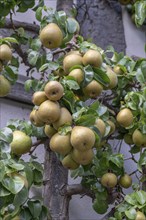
33, 57
35, 208
10, 39
88, 75
6, 135
117, 159
2, 170
13, 185
16, 166
38, 13
37, 166
131, 213
4, 192
100, 206
86, 120
50, 65
131, 199
101, 76
21, 197
72, 25
70, 83
140, 77
140, 197
142, 160
35, 44
140, 12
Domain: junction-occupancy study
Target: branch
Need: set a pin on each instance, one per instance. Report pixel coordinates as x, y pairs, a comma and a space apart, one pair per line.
17, 24
144, 177
109, 214
75, 189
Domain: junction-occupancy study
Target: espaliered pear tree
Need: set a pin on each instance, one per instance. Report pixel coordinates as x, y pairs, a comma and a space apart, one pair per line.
85, 99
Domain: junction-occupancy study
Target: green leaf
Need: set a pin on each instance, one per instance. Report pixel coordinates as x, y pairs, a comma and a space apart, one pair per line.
86, 120
70, 83
35, 44
100, 206
140, 12
6, 135
11, 73
72, 25
131, 213
117, 159
37, 166
16, 166
38, 14
2, 170
4, 192
50, 65
131, 199
101, 76
35, 208
142, 160
140, 197
25, 214
10, 40
21, 197
140, 77
88, 75
14, 185
33, 57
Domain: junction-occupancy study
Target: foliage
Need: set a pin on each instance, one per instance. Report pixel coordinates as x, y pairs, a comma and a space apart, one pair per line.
18, 176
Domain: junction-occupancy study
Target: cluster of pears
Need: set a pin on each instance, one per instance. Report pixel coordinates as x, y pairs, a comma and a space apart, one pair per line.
5, 56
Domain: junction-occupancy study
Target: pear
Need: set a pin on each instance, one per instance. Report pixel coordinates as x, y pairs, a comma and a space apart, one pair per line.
118, 70
5, 52
35, 120
54, 90
17, 217
60, 144
125, 181
51, 36
139, 138
65, 118
112, 77
109, 180
39, 97
82, 158
21, 143
69, 163
5, 86
49, 131
140, 216
71, 60
82, 138
93, 58
112, 127
99, 123
78, 75
125, 117
93, 89
49, 111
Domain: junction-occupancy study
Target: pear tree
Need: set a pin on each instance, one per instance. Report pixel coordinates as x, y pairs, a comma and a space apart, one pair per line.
84, 99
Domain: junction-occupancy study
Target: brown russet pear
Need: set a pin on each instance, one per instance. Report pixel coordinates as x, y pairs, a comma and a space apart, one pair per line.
39, 97
65, 118
69, 163
5, 52
5, 86
35, 120
49, 111
21, 143
109, 180
93, 58
49, 130
112, 77
60, 144
93, 89
82, 158
78, 75
99, 123
54, 90
71, 60
125, 117
82, 138
51, 36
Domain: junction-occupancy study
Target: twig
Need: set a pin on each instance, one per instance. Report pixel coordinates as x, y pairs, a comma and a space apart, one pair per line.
36, 144
75, 189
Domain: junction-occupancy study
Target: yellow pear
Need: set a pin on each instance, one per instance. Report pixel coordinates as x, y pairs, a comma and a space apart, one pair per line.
112, 127
49, 131
71, 60
125, 117
112, 77
82, 138
60, 144
21, 143
93, 58
78, 75
99, 123
109, 180
49, 111
35, 120
69, 163
140, 216
51, 36
65, 118
139, 138
54, 90
5, 86
82, 158
125, 181
39, 97
93, 89
118, 70
5, 52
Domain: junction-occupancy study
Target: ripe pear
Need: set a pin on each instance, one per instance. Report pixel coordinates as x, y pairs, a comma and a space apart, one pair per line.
5, 52
51, 36
109, 180
5, 86
139, 138
118, 70
17, 217
49, 131
69, 163
70, 61
140, 216
82, 138
84, 157
125, 117
21, 143
65, 118
125, 181
93, 89
35, 120
39, 97
93, 58
60, 144
112, 77
112, 127
54, 90
99, 123
78, 75
49, 111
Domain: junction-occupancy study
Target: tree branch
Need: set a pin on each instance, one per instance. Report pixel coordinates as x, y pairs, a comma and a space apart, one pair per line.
109, 214
65, 5
75, 189
17, 24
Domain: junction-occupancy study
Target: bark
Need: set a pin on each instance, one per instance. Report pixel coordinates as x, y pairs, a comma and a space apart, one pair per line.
144, 177
55, 185
65, 5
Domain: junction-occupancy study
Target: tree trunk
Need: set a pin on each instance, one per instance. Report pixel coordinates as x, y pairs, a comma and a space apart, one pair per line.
65, 5
55, 185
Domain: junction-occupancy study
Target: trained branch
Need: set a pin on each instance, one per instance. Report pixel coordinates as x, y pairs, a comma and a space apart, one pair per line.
75, 189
